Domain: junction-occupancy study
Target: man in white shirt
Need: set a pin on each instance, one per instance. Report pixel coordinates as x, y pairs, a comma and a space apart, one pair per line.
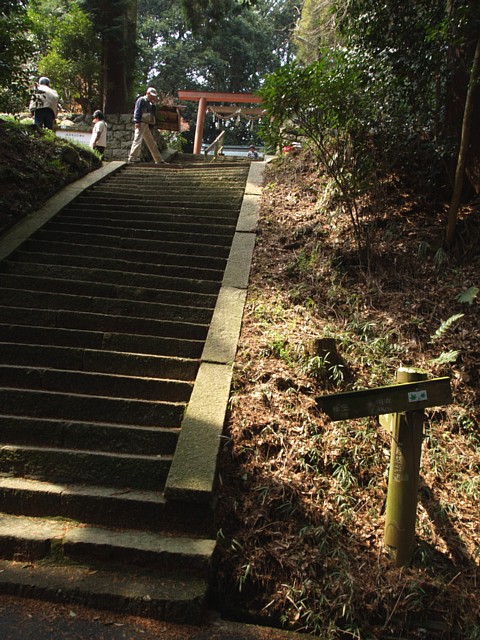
44, 104
98, 140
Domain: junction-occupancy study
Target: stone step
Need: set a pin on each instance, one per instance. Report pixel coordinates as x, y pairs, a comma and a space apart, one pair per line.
228, 183
66, 406
30, 539
185, 173
108, 306
144, 549
128, 343
205, 225
211, 277
135, 244
179, 207
115, 362
216, 264
185, 169
108, 276
62, 434
167, 235
108, 325
136, 592
93, 383
145, 195
146, 472
118, 507
229, 187
148, 188
91, 287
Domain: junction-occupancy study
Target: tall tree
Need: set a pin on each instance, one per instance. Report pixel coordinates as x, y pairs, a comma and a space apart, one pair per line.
116, 22
247, 43
316, 29
426, 48
15, 52
464, 145
68, 51
463, 25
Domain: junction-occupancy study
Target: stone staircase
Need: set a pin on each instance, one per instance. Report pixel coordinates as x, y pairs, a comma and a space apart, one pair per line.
104, 315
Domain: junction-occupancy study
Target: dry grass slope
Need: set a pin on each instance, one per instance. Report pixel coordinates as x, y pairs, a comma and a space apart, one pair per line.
303, 498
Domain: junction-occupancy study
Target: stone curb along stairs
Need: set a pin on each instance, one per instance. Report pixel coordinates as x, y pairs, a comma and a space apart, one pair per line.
121, 303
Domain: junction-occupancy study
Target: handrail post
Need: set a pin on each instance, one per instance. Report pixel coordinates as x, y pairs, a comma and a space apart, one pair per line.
202, 109
406, 446
216, 145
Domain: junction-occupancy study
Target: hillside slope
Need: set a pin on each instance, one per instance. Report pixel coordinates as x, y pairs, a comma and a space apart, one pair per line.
34, 165
303, 498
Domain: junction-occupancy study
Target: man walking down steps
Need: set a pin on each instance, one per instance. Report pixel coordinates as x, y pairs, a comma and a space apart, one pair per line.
144, 117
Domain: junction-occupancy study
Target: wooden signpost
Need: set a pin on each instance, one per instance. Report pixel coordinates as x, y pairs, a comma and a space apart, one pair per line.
400, 408
169, 117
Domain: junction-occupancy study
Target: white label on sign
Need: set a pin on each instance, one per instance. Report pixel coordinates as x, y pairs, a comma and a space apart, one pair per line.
74, 136
417, 396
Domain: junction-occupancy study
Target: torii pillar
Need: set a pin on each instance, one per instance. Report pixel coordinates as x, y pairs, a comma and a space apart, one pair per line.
203, 98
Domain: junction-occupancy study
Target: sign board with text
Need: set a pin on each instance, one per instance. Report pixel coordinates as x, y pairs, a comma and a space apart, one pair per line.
396, 398
82, 137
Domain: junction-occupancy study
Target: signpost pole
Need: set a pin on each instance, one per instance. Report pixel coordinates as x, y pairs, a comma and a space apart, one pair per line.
407, 435
400, 408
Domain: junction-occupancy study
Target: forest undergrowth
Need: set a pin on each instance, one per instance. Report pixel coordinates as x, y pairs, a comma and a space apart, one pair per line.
302, 499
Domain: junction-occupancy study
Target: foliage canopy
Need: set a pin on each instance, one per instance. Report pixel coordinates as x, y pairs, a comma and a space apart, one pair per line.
414, 65
15, 52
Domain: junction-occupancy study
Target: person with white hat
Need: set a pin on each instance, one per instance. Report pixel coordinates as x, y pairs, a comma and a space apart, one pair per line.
44, 104
144, 117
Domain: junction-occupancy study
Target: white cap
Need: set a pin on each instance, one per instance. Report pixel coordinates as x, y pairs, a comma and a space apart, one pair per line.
152, 91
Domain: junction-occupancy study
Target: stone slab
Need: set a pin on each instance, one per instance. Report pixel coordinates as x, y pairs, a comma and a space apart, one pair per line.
129, 592
30, 528
237, 271
193, 470
135, 542
27, 539
255, 178
248, 218
222, 339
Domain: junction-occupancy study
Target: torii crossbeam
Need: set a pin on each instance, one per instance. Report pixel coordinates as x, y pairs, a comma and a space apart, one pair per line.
203, 98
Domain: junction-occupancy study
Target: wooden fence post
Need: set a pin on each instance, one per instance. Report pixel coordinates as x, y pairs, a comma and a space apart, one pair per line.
406, 446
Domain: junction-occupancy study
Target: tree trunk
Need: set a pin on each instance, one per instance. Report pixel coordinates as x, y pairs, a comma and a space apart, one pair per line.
464, 147
459, 58
119, 56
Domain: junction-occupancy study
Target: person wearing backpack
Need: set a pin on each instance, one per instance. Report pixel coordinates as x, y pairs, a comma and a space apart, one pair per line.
44, 104
144, 117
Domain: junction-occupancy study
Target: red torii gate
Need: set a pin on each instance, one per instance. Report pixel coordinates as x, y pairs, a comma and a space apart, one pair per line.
203, 98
